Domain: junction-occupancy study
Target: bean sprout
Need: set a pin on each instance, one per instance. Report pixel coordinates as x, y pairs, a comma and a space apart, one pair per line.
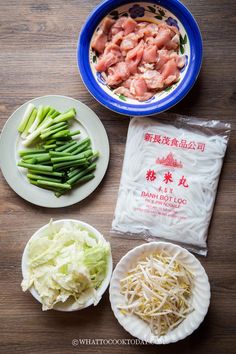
158, 290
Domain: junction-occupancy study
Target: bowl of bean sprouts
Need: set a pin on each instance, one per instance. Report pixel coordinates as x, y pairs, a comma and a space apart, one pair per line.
159, 292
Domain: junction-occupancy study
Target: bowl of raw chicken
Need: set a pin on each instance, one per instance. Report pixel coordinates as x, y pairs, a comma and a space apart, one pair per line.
139, 58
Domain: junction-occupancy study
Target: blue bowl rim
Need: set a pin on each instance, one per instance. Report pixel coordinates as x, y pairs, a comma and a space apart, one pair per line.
122, 107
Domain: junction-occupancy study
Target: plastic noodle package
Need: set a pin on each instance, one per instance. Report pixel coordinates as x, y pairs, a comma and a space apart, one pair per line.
169, 179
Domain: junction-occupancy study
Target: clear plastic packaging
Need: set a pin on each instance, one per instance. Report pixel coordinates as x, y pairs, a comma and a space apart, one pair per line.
169, 179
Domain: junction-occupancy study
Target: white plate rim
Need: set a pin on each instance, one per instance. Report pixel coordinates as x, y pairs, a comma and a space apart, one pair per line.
101, 290
47, 198
138, 328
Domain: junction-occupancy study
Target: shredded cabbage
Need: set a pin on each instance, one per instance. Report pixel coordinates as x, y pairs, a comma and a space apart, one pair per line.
158, 290
64, 262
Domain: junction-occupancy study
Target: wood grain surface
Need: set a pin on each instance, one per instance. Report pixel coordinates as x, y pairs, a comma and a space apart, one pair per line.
38, 57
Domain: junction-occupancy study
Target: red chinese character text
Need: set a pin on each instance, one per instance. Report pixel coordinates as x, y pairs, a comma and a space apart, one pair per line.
201, 146
183, 182
192, 145
183, 144
148, 137
165, 140
167, 177
174, 142
151, 175
157, 139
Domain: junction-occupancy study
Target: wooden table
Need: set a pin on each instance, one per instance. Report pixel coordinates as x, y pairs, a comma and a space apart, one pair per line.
37, 57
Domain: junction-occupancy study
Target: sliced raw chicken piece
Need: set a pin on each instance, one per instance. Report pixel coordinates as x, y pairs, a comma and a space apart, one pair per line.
111, 56
154, 80
101, 37
129, 42
105, 61
123, 91
170, 72
117, 26
171, 80
180, 61
146, 66
173, 44
129, 25
163, 57
99, 41
151, 30
127, 83
163, 36
146, 96
134, 57
126, 92
117, 74
150, 54
138, 86
112, 48
106, 25
117, 38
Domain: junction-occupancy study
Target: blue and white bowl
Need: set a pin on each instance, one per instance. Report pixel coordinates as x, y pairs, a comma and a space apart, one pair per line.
171, 11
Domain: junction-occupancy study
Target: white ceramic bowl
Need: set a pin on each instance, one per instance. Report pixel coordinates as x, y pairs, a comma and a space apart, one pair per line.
70, 304
200, 298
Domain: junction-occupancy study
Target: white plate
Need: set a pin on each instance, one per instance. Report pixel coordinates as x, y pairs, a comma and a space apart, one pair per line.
69, 305
86, 121
200, 298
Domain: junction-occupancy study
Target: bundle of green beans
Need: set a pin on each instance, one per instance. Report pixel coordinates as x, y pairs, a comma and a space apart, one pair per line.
58, 162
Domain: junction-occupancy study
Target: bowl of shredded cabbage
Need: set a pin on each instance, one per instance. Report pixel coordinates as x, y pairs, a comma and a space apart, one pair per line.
66, 265
159, 292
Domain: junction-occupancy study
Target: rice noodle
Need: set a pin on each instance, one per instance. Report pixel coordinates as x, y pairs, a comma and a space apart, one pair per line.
168, 189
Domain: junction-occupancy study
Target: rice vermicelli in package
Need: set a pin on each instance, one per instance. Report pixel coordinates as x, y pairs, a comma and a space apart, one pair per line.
169, 179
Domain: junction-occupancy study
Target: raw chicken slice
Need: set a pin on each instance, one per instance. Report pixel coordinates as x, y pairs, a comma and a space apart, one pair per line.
117, 38
117, 74
106, 61
138, 87
173, 44
112, 48
99, 41
150, 54
180, 61
127, 83
163, 57
100, 38
170, 72
163, 36
129, 25
151, 30
123, 91
134, 57
129, 42
106, 25
154, 80
111, 56
117, 26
